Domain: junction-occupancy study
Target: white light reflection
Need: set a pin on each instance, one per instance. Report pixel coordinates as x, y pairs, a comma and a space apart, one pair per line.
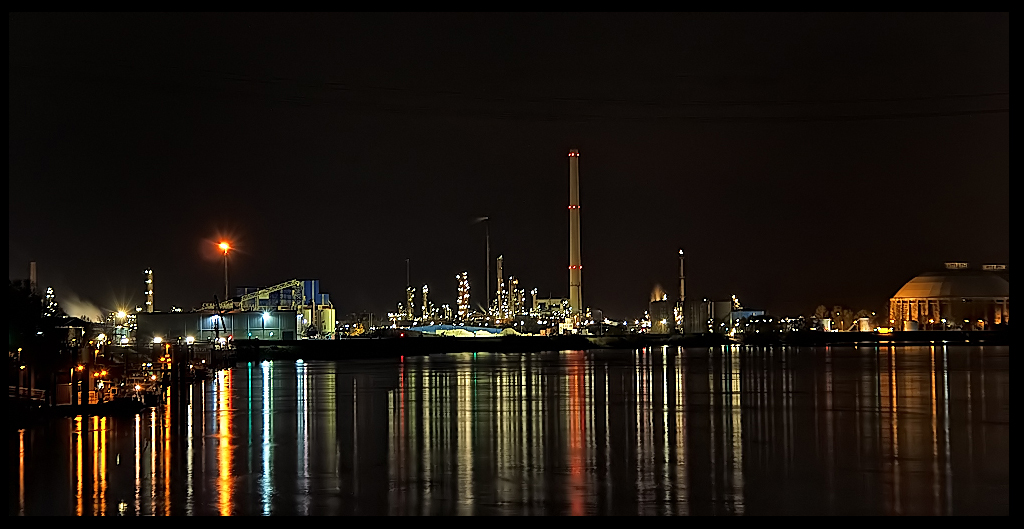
265, 491
945, 425
464, 443
138, 465
190, 453
737, 432
302, 394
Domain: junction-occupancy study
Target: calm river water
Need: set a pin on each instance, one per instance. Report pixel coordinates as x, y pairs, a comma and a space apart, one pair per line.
912, 430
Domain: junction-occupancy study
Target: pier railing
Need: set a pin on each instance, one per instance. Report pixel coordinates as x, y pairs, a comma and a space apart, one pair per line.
26, 393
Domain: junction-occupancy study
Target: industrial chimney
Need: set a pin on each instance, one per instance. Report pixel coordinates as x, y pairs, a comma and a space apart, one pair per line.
575, 268
32, 276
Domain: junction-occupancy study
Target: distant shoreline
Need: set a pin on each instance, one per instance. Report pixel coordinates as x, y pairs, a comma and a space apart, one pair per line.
385, 347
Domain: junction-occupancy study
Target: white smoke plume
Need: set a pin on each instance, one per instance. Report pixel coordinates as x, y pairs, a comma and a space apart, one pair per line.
77, 307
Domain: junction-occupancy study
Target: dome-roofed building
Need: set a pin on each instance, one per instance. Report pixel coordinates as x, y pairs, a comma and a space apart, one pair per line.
958, 297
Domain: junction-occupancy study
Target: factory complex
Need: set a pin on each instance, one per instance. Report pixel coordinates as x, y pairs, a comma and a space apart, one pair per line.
956, 298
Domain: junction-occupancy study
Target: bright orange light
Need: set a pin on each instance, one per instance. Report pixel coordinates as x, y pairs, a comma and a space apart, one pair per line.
224, 247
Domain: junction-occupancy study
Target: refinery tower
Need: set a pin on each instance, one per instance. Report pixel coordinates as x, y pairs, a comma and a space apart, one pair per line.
575, 268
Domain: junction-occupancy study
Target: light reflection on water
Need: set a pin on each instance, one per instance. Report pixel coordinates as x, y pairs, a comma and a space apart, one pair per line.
887, 430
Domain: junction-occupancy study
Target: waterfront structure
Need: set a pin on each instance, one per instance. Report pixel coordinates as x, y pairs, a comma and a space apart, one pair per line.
575, 265
957, 297
313, 307
149, 290
209, 327
410, 302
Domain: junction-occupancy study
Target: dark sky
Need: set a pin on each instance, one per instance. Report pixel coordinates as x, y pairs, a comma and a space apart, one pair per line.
799, 159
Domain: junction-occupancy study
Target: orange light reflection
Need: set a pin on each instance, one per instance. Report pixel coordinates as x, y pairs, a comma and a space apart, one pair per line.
225, 482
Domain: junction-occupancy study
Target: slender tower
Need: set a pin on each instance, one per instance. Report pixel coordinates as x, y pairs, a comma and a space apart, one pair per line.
681, 305
682, 279
149, 290
501, 287
32, 276
575, 268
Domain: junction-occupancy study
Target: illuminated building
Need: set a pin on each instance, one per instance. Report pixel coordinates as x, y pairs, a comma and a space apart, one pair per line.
205, 327
955, 298
314, 310
121, 326
554, 308
410, 303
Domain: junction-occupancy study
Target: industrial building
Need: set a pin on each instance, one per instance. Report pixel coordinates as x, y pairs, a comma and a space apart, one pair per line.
723, 317
314, 311
957, 297
210, 327
549, 307
662, 320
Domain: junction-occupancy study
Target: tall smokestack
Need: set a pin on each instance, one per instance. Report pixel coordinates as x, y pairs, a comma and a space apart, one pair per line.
32, 276
575, 268
149, 290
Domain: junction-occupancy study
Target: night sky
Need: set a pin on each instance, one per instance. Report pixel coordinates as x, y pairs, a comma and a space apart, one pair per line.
798, 159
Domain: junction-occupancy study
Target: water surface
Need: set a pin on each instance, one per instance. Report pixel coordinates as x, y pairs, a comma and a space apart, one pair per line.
840, 430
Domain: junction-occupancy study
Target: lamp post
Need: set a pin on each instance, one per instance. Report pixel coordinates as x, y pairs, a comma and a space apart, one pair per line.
487, 290
224, 246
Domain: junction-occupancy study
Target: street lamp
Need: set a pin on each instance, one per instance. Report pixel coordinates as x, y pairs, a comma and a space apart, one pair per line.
225, 247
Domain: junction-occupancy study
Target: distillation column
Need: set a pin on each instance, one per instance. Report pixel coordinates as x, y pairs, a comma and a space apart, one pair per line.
149, 290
